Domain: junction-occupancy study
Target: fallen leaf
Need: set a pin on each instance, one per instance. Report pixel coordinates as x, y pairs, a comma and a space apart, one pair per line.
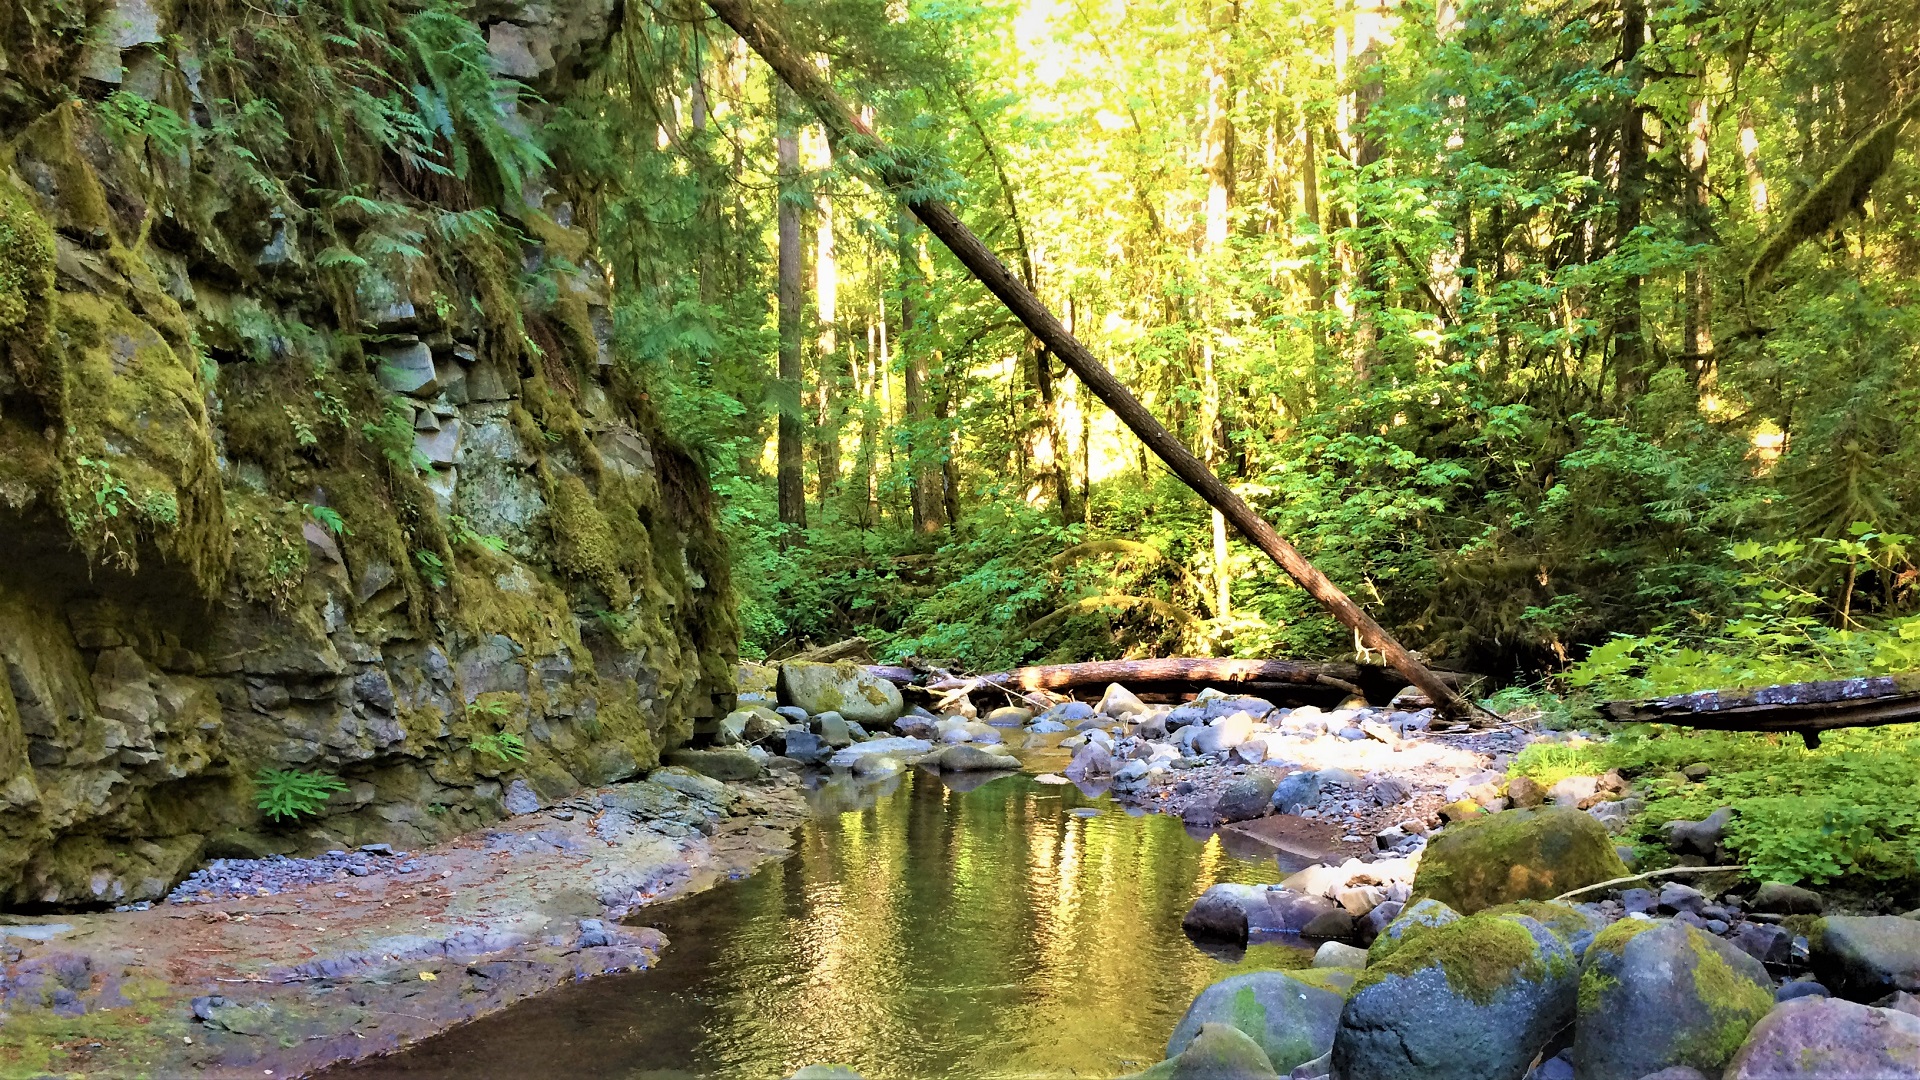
428, 976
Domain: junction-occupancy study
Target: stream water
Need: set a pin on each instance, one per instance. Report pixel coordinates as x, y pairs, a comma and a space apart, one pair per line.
917, 932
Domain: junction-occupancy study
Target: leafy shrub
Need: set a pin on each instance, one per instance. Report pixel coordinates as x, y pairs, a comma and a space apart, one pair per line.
293, 793
504, 745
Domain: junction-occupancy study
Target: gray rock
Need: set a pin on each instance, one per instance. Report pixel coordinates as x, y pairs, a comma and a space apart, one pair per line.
1573, 790
1412, 1017
1702, 838
1120, 703
845, 688
1764, 942
724, 764
1301, 1017
793, 714
1782, 899
1223, 734
1088, 761
806, 747
1046, 727
1296, 792
969, 758
899, 748
1865, 958
832, 728
1665, 995
1799, 988
1204, 710
520, 798
1817, 1038
1334, 925
1333, 954
1069, 712
1678, 1072
407, 368
1369, 929
1675, 897
1249, 797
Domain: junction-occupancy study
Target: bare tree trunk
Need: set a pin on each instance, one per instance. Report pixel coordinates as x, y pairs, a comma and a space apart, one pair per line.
1630, 349
826, 302
1310, 206
924, 481
891, 170
791, 475
1699, 301
1750, 157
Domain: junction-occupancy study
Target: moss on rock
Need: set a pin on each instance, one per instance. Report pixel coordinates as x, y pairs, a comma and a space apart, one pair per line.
1516, 855
1480, 955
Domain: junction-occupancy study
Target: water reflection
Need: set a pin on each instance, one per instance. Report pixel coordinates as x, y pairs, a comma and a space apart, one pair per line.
919, 931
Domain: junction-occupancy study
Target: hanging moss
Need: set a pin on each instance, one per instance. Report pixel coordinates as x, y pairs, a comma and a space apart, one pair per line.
26, 270
1844, 190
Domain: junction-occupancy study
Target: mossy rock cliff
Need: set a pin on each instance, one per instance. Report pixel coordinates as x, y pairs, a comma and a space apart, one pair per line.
298, 469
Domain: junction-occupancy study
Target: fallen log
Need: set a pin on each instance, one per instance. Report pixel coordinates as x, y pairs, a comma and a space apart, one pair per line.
1371, 681
897, 174
1806, 708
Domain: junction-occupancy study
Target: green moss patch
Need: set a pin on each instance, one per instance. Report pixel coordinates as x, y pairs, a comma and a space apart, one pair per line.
1481, 956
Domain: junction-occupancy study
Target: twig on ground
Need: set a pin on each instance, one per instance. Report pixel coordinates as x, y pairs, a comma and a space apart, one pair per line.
1671, 871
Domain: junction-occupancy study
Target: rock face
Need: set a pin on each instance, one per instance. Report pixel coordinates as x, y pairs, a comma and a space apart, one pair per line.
1864, 958
272, 499
1654, 995
844, 688
1472, 1000
1827, 1039
1496, 859
1292, 1018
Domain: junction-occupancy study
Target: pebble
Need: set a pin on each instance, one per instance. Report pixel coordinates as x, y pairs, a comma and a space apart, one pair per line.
230, 879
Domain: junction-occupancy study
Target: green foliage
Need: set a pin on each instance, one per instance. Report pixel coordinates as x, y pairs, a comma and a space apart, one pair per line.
1551, 762
285, 794
327, 518
431, 566
504, 745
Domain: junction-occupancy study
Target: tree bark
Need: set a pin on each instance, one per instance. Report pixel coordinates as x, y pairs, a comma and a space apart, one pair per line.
1217, 153
1699, 286
1630, 347
890, 169
791, 473
923, 465
826, 305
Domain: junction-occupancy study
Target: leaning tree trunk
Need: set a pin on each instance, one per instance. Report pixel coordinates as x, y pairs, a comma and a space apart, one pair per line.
812, 87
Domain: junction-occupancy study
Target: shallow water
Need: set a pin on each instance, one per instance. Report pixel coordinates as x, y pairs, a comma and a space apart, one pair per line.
917, 932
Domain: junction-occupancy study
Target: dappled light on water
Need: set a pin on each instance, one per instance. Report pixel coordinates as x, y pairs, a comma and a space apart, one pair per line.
916, 932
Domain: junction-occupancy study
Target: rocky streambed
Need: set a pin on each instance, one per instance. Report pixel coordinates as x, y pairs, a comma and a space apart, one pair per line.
277, 967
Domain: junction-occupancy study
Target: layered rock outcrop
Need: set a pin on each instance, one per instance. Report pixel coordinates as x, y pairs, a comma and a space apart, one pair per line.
317, 451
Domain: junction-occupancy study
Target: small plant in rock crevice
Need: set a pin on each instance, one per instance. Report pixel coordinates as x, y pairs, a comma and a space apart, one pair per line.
285, 794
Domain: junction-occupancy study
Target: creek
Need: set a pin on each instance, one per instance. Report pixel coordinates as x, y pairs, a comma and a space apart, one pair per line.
918, 931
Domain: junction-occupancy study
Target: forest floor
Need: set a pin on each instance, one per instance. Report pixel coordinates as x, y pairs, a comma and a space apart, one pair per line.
286, 983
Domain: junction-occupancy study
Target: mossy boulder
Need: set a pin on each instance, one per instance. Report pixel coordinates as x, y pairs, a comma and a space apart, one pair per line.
1830, 1039
1218, 1052
845, 688
1293, 1019
1414, 919
1475, 999
1654, 995
1516, 855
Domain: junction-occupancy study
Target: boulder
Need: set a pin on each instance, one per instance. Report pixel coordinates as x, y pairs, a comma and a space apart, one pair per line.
898, 748
968, 758
832, 728
1218, 1052
1496, 859
1224, 733
1249, 797
1090, 760
1212, 705
1865, 957
806, 747
730, 763
1230, 912
1654, 995
1120, 703
1571, 791
1702, 838
1291, 1016
1818, 1038
1525, 792
1334, 954
845, 688
1782, 899
1412, 920
1296, 792
1008, 716
1476, 999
